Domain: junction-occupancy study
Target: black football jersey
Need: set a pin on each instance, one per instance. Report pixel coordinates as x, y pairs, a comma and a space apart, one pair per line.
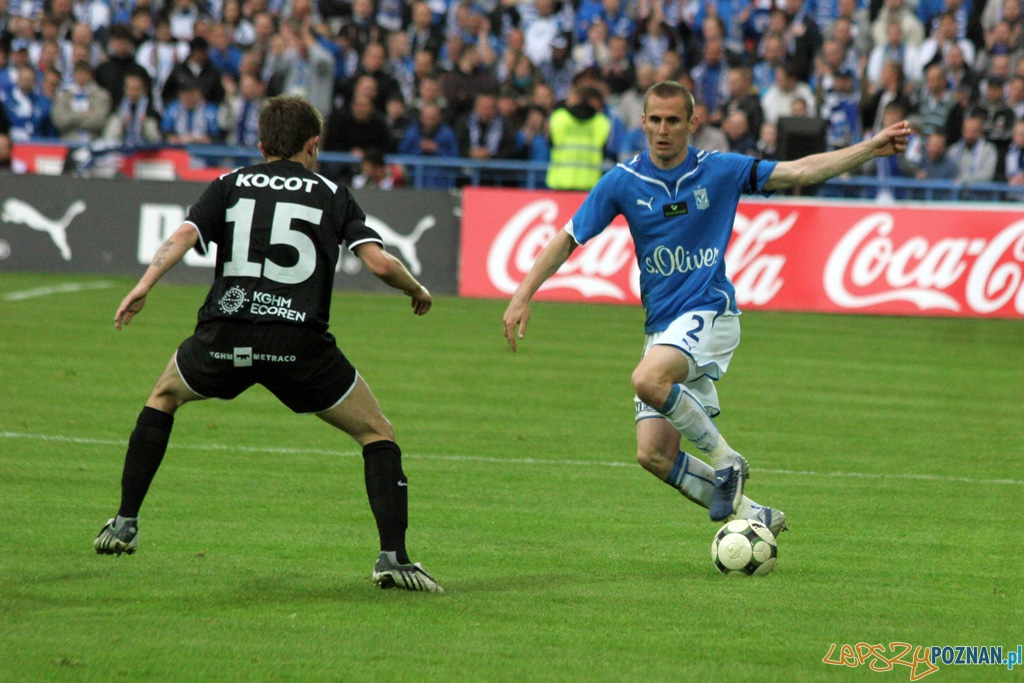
278, 228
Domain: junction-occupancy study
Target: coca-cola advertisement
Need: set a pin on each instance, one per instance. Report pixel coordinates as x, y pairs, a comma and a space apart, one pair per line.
850, 257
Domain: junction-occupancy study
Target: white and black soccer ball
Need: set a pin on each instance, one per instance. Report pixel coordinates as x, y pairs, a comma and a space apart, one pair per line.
744, 546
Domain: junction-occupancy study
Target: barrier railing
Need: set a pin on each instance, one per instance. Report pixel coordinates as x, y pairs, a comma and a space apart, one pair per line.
419, 171
440, 172
530, 174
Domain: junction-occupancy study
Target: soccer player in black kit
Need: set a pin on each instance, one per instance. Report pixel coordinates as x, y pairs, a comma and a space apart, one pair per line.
279, 228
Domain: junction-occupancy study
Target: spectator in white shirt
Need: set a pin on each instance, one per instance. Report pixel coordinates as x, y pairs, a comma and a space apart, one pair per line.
975, 156
778, 100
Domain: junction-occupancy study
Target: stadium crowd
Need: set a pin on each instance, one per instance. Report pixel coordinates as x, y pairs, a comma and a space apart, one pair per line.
486, 79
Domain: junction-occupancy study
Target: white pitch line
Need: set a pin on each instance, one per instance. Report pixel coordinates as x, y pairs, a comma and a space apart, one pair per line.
888, 475
316, 451
56, 289
500, 461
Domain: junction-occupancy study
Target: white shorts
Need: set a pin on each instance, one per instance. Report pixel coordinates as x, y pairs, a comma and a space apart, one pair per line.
709, 339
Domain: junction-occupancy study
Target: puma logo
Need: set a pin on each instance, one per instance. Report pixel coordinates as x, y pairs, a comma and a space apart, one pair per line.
406, 244
17, 211
648, 203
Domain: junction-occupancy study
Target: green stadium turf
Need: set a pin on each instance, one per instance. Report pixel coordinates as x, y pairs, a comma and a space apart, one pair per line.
894, 445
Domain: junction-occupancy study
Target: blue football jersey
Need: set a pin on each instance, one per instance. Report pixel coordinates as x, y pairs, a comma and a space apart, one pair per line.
681, 221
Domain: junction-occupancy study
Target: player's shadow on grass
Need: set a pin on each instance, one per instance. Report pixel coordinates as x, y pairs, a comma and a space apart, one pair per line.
292, 588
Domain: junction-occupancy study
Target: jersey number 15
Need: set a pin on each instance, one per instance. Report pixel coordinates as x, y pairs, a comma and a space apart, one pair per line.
241, 215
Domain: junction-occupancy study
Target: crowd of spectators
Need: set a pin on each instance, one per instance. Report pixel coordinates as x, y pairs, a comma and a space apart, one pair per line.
481, 78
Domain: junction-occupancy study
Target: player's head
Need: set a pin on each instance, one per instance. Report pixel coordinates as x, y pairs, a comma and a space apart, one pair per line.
667, 120
287, 124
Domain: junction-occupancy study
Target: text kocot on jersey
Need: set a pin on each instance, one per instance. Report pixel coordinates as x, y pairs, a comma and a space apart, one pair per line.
275, 182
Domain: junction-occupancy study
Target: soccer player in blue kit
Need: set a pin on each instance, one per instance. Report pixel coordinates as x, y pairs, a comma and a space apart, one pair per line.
680, 204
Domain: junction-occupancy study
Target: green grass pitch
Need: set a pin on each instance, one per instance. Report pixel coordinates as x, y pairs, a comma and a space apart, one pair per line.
894, 445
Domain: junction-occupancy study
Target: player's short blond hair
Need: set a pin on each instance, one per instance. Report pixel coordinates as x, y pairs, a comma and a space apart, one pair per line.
666, 90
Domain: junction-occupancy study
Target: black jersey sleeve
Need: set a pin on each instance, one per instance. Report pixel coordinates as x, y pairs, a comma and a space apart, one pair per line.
208, 214
354, 230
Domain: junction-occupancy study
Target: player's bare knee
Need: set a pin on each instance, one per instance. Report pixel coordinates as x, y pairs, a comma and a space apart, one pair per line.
639, 380
646, 459
652, 389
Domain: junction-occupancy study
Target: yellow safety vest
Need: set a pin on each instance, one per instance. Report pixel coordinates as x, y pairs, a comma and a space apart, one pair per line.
577, 150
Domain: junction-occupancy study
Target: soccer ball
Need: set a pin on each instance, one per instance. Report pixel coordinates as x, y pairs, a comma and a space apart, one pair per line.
744, 546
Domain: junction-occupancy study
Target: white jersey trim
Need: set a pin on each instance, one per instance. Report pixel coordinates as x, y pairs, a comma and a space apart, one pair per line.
569, 228
648, 179
352, 247
660, 184
686, 175
183, 380
202, 243
728, 299
338, 402
333, 186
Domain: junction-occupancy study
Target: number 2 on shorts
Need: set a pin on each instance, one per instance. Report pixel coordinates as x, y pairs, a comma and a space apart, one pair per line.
699, 325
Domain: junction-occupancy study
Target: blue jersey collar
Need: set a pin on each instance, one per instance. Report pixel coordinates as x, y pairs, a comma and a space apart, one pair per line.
669, 180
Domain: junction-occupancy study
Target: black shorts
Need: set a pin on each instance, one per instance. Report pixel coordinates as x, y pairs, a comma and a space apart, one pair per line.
305, 369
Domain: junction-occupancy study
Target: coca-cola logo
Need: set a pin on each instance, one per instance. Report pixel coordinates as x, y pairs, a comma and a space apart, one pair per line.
589, 271
920, 272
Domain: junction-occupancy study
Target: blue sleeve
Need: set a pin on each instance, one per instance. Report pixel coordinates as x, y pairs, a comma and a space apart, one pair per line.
541, 150
447, 144
598, 210
751, 173
764, 172
926, 11
698, 19
585, 16
212, 121
337, 53
617, 137
167, 124
410, 141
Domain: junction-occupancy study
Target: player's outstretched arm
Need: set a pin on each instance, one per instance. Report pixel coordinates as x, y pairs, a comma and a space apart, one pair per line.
517, 314
393, 273
817, 168
167, 256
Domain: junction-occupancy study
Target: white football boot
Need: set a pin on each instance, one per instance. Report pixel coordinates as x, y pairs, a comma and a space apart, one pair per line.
387, 573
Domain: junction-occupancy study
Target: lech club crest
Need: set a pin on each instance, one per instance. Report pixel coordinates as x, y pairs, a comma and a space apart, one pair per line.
701, 197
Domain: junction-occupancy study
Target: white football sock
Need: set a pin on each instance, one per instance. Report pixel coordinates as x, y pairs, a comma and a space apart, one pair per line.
686, 414
695, 479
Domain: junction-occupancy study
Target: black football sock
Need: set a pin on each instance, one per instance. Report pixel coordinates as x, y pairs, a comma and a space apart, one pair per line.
387, 489
146, 450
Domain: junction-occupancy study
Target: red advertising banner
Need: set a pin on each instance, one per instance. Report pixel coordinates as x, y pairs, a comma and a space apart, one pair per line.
849, 257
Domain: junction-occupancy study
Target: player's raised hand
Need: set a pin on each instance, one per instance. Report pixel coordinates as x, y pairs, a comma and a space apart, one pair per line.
892, 140
516, 315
